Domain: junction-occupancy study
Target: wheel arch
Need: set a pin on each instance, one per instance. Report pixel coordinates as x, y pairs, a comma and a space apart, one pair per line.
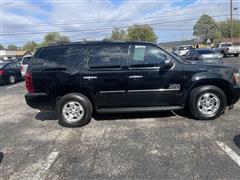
68, 90
222, 84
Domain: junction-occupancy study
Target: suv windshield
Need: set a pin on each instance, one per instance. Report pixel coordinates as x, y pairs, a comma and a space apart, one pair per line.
26, 60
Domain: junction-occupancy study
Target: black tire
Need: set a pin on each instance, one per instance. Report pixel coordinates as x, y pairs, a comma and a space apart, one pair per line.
11, 79
236, 55
83, 101
223, 53
197, 93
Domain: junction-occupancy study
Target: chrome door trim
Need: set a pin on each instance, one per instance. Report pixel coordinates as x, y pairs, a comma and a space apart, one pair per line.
90, 77
117, 91
152, 90
135, 77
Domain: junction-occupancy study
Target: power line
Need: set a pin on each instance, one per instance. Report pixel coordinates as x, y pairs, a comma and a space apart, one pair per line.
93, 22
104, 28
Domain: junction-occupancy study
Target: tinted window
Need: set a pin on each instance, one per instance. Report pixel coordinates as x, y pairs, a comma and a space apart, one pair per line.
26, 60
206, 51
2, 65
67, 56
226, 45
146, 56
107, 56
11, 66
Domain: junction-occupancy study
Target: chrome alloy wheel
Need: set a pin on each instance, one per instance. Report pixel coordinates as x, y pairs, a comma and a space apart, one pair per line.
208, 104
11, 79
73, 111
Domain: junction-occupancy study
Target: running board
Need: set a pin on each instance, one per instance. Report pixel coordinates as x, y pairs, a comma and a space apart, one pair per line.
139, 109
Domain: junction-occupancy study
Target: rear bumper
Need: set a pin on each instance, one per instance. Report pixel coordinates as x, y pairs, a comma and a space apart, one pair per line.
39, 101
235, 95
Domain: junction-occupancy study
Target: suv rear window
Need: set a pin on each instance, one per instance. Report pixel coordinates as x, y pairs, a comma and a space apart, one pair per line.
107, 56
26, 60
67, 56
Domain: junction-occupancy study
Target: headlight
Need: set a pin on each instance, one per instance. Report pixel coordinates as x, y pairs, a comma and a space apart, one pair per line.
236, 78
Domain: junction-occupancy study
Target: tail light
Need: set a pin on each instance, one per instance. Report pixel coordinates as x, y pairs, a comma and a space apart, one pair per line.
21, 68
29, 83
2, 72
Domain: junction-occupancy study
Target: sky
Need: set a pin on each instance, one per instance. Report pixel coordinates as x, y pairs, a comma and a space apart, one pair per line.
172, 20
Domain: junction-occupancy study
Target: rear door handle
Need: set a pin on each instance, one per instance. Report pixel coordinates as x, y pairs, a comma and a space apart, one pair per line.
90, 77
135, 77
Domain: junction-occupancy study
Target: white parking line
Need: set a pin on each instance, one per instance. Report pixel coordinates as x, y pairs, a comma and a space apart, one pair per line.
230, 152
37, 170
19, 84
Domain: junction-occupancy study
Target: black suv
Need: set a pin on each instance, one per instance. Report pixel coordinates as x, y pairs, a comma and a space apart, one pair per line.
78, 79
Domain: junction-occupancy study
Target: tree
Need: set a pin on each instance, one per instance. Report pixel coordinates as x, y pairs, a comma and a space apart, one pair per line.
1, 47
118, 34
30, 46
141, 33
225, 27
12, 47
206, 28
54, 37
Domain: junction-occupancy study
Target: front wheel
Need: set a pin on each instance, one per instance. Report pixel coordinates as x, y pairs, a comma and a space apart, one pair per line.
11, 79
207, 102
74, 110
236, 55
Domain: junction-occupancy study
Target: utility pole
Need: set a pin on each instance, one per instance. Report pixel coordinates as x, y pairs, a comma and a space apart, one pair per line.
231, 17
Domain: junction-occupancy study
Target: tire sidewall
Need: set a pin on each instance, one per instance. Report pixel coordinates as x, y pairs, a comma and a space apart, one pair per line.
197, 93
87, 107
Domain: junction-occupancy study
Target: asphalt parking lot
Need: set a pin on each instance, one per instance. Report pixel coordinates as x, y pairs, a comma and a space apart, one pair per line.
163, 145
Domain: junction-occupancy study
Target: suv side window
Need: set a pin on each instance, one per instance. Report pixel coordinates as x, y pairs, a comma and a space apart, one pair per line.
66, 55
146, 56
105, 56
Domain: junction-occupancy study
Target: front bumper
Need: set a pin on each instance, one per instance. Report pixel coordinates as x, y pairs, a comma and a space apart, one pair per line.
39, 101
235, 95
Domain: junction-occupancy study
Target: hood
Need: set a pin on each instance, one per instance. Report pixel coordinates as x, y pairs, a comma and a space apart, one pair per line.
209, 63
215, 56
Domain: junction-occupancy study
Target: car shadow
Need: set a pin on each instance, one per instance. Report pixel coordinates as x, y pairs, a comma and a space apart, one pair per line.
236, 140
52, 116
1, 157
46, 116
127, 116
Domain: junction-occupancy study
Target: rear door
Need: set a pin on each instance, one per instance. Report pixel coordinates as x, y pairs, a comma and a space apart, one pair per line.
105, 77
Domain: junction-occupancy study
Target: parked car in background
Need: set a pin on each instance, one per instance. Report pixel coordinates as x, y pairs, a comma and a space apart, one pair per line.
77, 79
18, 60
227, 48
182, 50
24, 64
10, 72
204, 54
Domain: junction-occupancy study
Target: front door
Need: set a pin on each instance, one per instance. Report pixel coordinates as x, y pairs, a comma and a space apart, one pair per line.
105, 77
147, 83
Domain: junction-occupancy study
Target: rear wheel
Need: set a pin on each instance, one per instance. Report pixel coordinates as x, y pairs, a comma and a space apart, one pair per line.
236, 55
11, 79
74, 110
207, 102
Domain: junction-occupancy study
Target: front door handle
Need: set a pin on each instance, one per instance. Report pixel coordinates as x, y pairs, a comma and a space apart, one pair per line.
90, 77
135, 77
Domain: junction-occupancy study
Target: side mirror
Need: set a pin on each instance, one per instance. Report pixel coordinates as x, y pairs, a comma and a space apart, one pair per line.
168, 63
